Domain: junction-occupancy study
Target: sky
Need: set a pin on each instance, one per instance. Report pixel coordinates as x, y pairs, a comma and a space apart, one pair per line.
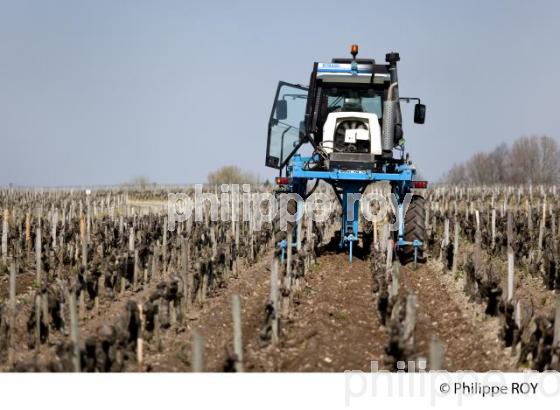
99, 92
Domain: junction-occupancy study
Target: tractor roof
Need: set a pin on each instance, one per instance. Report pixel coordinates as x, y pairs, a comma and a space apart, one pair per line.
340, 70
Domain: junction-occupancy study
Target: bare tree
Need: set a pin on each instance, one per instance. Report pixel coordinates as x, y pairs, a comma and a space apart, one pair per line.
498, 159
139, 182
231, 174
457, 175
529, 160
534, 160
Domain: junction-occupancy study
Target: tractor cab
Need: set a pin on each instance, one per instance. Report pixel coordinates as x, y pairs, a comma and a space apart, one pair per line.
350, 114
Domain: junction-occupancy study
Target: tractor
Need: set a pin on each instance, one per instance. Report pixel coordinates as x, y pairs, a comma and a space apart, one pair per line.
345, 128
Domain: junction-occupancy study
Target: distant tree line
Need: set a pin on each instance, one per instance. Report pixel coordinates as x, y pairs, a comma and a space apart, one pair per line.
529, 160
232, 174
139, 182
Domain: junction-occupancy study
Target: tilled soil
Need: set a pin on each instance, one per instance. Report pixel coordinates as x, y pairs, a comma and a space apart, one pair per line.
24, 284
529, 287
469, 337
333, 323
334, 326
214, 322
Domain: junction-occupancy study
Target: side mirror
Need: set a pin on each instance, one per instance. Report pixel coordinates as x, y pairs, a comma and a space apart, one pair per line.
281, 109
419, 113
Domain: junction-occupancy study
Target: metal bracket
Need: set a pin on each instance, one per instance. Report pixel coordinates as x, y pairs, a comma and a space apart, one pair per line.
350, 239
283, 245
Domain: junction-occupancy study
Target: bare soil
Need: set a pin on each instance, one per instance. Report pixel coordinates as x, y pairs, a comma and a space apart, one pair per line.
469, 337
333, 324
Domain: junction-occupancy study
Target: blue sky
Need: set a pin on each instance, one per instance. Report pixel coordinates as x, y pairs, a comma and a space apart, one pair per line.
99, 92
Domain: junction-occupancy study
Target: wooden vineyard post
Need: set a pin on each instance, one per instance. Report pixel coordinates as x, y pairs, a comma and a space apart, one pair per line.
197, 352
541, 228
375, 239
299, 221
82, 228
410, 323
493, 228
394, 273
553, 226
172, 312
446, 232
445, 240
511, 275
556, 339
45, 312
83, 240
203, 287
74, 333
135, 271
5, 236
54, 222
237, 335
157, 324
287, 277
28, 235
509, 229
477, 218
214, 242
515, 348
274, 299
11, 336
131, 240
80, 304
100, 291
529, 219
37, 322
233, 203
121, 227
84, 254
140, 340
190, 281
250, 225
517, 314
88, 216
389, 259
184, 275
154, 265
164, 251
385, 237
122, 286
38, 257
455, 246
477, 249
309, 239
436, 354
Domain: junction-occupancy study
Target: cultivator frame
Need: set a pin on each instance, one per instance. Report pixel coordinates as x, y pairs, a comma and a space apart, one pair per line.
345, 184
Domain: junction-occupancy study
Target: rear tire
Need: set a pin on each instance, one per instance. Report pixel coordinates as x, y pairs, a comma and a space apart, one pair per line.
414, 229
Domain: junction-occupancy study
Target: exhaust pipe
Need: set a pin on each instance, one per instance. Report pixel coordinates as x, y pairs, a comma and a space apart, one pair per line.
389, 111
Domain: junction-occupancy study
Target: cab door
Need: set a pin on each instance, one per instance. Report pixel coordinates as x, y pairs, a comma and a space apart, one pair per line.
286, 124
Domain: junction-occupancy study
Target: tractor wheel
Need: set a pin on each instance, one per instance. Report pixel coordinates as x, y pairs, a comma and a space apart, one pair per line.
414, 229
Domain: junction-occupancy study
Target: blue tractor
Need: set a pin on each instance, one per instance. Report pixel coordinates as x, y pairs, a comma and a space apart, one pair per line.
345, 128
